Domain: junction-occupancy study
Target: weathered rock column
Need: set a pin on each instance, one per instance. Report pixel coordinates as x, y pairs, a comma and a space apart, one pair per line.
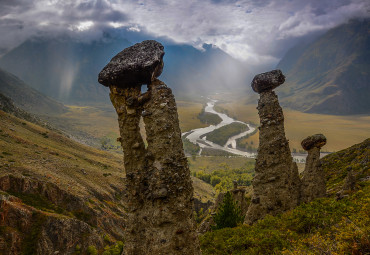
313, 181
159, 198
276, 183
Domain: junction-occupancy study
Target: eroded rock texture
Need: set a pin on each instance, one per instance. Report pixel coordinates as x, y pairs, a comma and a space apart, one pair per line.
313, 181
276, 183
159, 188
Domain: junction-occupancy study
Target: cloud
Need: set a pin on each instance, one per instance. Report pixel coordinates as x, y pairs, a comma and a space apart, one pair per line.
257, 31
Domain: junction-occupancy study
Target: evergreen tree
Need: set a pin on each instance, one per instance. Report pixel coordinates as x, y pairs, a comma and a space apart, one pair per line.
228, 214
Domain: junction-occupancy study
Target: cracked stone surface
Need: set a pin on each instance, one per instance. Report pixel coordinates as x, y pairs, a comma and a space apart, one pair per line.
137, 64
159, 199
313, 181
276, 183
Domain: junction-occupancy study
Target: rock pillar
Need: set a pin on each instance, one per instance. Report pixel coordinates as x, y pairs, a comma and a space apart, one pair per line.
313, 181
276, 183
159, 199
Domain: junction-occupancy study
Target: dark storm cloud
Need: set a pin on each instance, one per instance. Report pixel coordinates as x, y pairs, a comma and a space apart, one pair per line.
258, 31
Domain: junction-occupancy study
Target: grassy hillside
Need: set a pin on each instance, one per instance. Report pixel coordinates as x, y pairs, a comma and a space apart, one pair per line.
330, 74
324, 226
30, 150
26, 97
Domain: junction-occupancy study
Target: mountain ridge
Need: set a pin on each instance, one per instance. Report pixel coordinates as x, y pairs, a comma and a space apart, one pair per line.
27, 98
66, 69
329, 75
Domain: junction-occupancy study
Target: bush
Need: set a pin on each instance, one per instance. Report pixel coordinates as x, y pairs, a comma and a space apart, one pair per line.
229, 214
91, 250
115, 249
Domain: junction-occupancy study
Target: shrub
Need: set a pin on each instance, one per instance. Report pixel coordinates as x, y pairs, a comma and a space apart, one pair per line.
229, 214
91, 250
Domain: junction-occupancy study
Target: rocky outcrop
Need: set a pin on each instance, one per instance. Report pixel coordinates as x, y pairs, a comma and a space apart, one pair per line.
42, 216
159, 189
26, 230
313, 181
276, 183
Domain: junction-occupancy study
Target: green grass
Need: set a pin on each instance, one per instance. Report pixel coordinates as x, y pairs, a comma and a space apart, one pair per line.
209, 118
337, 165
189, 147
215, 152
210, 164
220, 172
338, 227
38, 201
323, 226
221, 135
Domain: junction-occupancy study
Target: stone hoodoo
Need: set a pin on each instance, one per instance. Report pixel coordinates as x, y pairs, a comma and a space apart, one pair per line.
313, 181
159, 198
276, 183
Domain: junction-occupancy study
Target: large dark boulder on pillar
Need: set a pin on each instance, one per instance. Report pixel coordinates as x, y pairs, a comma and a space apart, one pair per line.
318, 140
135, 65
267, 81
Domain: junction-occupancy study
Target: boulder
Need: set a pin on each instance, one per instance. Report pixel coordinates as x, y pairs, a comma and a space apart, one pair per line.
318, 140
134, 66
267, 81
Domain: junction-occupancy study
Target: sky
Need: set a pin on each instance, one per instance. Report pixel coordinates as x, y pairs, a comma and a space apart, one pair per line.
254, 31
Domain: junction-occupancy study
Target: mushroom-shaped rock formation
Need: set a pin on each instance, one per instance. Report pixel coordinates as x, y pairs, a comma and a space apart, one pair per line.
276, 183
159, 192
318, 140
313, 181
135, 65
267, 81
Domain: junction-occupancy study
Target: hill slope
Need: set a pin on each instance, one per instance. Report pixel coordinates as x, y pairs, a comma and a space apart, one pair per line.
59, 195
26, 97
330, 75
324, 226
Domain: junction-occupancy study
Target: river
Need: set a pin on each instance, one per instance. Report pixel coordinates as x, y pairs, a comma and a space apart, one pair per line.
195, 135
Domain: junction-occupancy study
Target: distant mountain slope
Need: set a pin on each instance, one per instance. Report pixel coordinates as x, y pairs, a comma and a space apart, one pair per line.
189, 70
26, 97
7, 105
67, 70
331, 74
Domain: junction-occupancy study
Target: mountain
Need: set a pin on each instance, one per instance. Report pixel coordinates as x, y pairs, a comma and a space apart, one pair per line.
26, 97
331, 74
189, 70
66, 69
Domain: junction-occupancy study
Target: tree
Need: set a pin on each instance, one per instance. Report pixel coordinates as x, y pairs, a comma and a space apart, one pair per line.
229, 214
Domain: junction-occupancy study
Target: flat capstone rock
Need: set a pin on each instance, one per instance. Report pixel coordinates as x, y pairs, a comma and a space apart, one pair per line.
318, 140
267, 81
134, 66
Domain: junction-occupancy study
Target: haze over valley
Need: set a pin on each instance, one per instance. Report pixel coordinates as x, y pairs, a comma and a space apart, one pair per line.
62, 164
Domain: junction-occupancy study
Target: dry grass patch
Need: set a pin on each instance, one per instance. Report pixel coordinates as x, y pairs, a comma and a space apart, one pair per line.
341, 131
188, 112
